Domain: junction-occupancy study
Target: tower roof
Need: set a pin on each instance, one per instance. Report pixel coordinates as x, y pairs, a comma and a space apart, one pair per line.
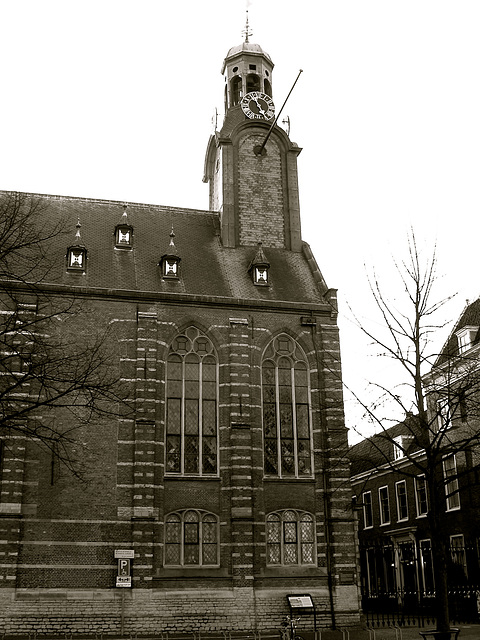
248, 48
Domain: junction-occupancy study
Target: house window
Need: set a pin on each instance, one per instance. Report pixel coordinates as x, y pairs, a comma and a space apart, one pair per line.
290, 538
459, 557
191, 539
367, 510
443, 414
286, 410
426, 566
384, 504
421, 496
401, 495
451, 483
191, 431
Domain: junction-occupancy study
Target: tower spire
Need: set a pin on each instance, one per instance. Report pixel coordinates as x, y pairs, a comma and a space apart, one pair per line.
246, 32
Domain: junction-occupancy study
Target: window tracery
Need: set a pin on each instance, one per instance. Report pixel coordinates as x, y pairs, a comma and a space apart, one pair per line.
290, 538
191, 538
191, 423
286, 410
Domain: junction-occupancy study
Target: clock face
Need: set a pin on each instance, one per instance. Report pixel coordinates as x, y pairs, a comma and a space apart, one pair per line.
258, 106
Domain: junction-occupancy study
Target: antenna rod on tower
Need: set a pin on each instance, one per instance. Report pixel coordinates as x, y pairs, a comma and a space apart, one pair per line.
258, 150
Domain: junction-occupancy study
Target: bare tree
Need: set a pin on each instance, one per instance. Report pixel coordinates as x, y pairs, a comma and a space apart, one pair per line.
440, 390
57, 372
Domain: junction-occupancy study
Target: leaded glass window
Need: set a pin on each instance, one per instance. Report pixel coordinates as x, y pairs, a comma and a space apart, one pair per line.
286, 410
191, 538
290, 538
191, 432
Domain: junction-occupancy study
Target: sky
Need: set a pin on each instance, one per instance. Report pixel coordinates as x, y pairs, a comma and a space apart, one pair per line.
113, 99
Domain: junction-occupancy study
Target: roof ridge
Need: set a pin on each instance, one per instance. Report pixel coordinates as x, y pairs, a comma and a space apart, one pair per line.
145, 205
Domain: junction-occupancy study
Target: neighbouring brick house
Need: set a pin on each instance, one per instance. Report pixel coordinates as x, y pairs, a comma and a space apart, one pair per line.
391, 492
224, 483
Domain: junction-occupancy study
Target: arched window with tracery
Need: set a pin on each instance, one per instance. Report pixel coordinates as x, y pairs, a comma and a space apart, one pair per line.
290, 538
191, 538
286, 410
191, 421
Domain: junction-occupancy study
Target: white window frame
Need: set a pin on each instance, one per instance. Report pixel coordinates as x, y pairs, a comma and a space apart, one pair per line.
398, 450
465, 337
452, 497
365, 526
380, 504
417, 493
397, 500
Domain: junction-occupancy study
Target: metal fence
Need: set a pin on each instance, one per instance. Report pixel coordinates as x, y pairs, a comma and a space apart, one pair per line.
398, 586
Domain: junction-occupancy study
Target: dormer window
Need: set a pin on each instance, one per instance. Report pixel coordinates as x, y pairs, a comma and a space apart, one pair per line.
77, 253
76, 258
466, 336
170, 262
400, 446
123, 236
398, 451
261, 275
124, 232
170, 266
259, 268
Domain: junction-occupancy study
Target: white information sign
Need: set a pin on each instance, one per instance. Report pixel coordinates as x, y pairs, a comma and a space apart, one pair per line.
300, 602
124, 553
124, 581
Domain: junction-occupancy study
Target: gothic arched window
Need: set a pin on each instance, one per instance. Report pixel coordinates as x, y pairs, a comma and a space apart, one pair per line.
191, 538
286, 410
290, 538
191, 424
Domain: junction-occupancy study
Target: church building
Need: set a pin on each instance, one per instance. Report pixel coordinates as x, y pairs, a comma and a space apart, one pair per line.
218, 498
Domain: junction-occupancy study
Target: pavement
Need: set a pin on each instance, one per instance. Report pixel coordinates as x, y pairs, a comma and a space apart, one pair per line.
467, 632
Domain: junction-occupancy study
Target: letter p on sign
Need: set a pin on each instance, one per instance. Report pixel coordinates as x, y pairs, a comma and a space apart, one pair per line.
123, 566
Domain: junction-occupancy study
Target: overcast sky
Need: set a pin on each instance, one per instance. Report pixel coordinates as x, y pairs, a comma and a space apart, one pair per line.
113, 99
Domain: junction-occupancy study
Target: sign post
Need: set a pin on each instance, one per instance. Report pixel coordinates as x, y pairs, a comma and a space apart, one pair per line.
302, 604
124, 559
124, 569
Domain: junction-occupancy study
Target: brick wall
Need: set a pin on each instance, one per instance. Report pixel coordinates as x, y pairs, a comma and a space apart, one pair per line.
260, 194
60, 553
155, 611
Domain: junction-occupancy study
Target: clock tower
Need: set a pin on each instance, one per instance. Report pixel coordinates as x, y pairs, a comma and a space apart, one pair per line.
253, 183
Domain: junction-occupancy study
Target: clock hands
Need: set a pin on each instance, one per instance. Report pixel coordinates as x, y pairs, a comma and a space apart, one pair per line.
260, 109
258, 105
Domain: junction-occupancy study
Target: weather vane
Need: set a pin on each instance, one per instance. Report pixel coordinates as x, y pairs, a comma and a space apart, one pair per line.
246, 32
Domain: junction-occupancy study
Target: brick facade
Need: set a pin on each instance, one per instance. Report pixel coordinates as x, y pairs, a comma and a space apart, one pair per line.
224, 518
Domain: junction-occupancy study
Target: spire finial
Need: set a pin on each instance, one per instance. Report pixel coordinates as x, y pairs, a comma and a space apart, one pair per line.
78, 227
124, 214
172, 247
246, 32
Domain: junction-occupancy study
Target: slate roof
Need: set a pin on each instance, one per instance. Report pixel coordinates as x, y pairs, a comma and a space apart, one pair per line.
469, 317
207, 268
375, 451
